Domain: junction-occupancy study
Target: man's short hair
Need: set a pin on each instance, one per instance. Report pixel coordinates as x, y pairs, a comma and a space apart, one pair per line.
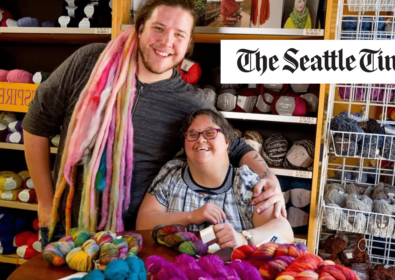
145, 12
215, 117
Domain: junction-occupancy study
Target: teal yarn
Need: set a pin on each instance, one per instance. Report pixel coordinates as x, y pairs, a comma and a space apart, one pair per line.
79, 236
100, 181
137, 267
96, 274
117, 270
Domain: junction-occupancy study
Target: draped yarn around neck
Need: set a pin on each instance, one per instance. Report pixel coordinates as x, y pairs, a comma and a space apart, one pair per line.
100, 137
299, 21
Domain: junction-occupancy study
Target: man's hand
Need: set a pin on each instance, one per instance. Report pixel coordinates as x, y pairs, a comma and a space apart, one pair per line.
227, 237
44, 214
208, 212
267, 192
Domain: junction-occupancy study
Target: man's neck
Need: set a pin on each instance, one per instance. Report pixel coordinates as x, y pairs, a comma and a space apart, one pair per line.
147, 77
209, 176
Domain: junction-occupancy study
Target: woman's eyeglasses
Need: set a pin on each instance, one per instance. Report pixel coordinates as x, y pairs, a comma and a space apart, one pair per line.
208, 134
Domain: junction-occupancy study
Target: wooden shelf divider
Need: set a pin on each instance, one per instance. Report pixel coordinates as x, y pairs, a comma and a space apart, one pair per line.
18, 205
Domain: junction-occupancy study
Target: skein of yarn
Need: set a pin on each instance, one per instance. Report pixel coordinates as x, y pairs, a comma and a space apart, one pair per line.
3, 75
28, 22
246, 100
275, 149
300, 156
5, 15
254, 139
209, 94
190, 71
289, 106
359, 202
227, 99
19, 76
300, 87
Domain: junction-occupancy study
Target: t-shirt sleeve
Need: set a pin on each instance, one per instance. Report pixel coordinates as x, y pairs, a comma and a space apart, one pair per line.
165, 180
54, 96
237, 149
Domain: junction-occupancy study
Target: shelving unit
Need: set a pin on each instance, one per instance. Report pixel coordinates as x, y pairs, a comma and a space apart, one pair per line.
12, 259
18, 205
20, 147
269, 118
339, 154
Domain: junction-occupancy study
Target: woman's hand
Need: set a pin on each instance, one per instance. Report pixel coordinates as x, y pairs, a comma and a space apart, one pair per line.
267, 192
228, 237
209, 212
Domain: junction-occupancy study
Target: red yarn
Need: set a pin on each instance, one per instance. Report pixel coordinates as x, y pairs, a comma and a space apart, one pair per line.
242, 105
36, 224
193, 75
22, 238
27, 195
300, 105
3, 74
19, 76
6, 15
266, 97
26, 252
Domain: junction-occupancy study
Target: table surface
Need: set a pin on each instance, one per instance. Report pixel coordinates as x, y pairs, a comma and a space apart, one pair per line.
38, 268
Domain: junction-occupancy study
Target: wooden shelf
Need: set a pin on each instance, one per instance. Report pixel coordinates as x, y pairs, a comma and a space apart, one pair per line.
12, 258
268, 117
21, 147
18, 205
55, 35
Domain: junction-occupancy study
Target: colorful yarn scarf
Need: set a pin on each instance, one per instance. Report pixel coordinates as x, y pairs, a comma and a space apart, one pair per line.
100, 137
299, 21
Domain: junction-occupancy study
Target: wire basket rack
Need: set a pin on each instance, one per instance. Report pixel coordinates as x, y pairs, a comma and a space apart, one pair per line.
370, 5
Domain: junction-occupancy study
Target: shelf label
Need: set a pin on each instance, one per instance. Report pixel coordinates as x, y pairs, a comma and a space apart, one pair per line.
313, 32
302, 174
307, 120
299, 241
15, 97
102, 30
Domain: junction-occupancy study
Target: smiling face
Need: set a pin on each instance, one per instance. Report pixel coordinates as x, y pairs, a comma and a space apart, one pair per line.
204, 151
165, 39
300, 5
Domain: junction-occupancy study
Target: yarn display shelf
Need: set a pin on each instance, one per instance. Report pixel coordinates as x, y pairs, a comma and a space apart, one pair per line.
12, 259
366, 145
292, 173
268, 117
55, 34
362, 93
371, 5
375, 222
216, 34
21, 147
18, 205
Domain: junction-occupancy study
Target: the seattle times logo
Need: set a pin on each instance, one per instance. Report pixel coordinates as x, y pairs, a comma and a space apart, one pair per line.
307, 61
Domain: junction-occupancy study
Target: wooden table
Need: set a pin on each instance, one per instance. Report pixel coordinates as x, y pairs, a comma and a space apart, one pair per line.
37, 269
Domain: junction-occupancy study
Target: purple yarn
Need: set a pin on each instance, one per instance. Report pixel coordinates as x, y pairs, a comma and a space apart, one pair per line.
186, 262
302, 247
198, 274
245, 270
28, 22
155, 263
170, 271
48, 24
345, 92
213, 265
15, 126
17, 135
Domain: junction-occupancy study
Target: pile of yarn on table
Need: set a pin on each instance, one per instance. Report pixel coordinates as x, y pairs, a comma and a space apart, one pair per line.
175, 236
289, 262
80, 249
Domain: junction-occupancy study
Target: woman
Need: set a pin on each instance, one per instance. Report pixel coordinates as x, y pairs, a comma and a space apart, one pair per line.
299, 17
208, 190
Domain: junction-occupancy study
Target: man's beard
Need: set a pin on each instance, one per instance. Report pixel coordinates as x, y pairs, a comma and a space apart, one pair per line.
148, 66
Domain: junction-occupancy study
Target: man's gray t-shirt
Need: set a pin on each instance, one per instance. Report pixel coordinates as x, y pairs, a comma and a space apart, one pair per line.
159, 110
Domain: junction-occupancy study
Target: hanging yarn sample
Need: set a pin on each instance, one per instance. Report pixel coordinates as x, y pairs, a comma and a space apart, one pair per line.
101, 104
275, 150
176, 237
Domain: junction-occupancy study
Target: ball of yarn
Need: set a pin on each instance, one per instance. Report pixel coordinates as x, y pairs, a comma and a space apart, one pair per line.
185, 262
5, 15
246, 100
79, 235
349, 23
27, 195
271, 269
275, 149
383, 191
48, 24
283, 105
117, 269
352, 222
108, 252
19, 76
3, 75
55, 252
137, 267
123, 247
26, 252
311, 101
245, 270
15, 137
155, 263
227, 99
300, 156
381, 226
238, 132
193, 248
103, 237
28, 22
359, 202
332, 216
254, 139
135, 243
384, 206
79, 260
193, 75
300, 87
210, 95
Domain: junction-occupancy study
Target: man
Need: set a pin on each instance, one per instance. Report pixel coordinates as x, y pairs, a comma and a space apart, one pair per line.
165, 30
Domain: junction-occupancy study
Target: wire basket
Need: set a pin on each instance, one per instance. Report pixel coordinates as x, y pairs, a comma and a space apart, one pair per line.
371, 5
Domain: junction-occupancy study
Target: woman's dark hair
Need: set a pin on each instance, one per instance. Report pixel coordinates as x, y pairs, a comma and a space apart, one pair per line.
145, 12
215, 117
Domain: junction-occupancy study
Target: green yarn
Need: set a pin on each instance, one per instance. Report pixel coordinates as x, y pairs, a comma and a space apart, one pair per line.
187, 248
108, 253
79, 236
